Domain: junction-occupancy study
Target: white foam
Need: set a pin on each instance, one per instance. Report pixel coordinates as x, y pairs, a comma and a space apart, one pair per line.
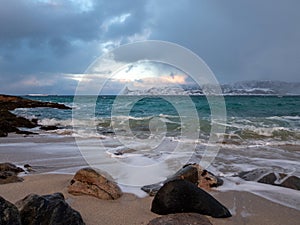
280, 195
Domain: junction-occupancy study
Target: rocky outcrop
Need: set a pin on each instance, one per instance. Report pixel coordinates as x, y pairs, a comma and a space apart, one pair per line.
10, 122
9, 173
89, 181
9, 214
181, 196
266, 176
181, 219
190, 172
12, 102
47, 210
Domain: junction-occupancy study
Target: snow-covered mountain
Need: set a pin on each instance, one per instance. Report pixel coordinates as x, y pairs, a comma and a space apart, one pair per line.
238, 88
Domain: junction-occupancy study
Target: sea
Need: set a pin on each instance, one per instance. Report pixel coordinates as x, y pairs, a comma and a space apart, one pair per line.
142, 140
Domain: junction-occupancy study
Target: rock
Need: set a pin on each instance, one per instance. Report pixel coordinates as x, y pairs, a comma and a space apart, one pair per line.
292, 182
254, 175
9, 173
47, 210
88, 181
268, 179
28, 168
181, 219
25, 132
9, 214
180, 196
10, 167
190, 172
7, 177
273, 178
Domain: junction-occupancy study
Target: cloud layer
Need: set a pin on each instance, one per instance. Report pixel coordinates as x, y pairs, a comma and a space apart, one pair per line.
43, 41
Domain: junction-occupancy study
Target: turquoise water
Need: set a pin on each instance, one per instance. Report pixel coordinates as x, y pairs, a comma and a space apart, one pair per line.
257, 118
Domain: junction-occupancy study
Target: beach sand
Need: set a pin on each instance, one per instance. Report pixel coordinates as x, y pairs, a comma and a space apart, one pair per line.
247, 208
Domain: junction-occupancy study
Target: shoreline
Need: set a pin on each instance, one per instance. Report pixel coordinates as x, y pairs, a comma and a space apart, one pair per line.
245, 207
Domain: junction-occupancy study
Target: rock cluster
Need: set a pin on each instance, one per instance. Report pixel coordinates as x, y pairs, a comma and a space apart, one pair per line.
268, 177
10, 122
89, 181
42, 210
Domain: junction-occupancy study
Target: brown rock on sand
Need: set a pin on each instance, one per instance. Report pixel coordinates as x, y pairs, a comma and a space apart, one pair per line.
88, 181
181, 219
9, 173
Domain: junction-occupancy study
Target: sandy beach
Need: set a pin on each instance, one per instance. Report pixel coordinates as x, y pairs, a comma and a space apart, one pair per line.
247, 209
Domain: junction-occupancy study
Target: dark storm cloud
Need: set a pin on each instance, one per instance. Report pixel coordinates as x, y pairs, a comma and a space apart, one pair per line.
239, 40
40, 38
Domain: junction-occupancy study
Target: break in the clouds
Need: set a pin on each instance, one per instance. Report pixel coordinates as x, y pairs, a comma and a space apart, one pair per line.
45, 43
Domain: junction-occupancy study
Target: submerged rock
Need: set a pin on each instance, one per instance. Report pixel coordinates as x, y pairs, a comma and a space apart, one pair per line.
190, 172
47, 210
180, 196
46, 128
9, 173
9, 214
88, 181
181, 219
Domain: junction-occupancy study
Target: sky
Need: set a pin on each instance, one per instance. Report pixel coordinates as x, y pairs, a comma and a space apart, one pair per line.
47, 45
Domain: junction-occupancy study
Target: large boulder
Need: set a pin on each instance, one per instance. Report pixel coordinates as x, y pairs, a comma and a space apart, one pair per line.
9, 173
47, 210
89, 181
181, 219
181, 196
190, 172
266, 176
9, 214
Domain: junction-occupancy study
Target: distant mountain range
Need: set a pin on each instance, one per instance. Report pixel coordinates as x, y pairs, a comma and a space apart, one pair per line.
238, 88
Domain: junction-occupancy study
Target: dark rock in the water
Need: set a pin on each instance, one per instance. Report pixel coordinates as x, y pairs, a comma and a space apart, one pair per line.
292, 182
181, 219
191, 172
9, 173
267, 177
9, 122
253, 175
9, 214
88, 181
47, 210
25, 132
28, 168
49, 128
180, 196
